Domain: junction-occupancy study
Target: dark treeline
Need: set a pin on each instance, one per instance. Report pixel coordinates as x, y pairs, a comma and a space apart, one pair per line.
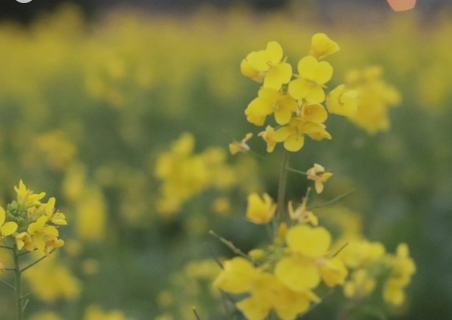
13, 10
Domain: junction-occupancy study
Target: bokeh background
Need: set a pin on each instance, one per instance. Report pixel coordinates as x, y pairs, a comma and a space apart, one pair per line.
93, 93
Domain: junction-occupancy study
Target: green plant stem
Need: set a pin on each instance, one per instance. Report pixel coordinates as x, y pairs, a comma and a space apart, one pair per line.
18, 286
282, 186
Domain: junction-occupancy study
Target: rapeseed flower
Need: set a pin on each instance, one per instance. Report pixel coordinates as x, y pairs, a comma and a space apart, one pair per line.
311, 78
6, 228
318, 174
236, 147
322, 46
267, 66
260, 209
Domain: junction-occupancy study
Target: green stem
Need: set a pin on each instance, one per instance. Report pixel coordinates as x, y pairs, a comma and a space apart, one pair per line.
282, 186
18, 286
37, 261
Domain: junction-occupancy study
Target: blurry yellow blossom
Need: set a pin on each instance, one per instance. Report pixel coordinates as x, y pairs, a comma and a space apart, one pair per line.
260, 210
221, 205
57, 148
52, 281
91, 215
237, 276
322, 46
342, 102
241, 146
361, 253
74, 181
312, 77
360, 285
375, 99
318, 174
402, 269
95, 313
267, 66
333, 272
269, 137
46, 315
301, 214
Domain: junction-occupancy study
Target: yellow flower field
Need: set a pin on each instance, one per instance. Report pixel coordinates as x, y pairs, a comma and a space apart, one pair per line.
226, 164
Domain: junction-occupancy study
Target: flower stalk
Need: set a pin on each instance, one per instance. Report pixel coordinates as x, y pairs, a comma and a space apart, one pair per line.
18, 282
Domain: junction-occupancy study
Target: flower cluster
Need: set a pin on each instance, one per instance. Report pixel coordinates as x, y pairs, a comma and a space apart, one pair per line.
297, 104
375, 99
185, 174
31, 224
369, 262
283, 277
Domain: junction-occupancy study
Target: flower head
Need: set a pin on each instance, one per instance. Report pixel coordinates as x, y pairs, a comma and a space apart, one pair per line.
260, 210
322, 46
312, 76
267, 66
236, 147
318, 174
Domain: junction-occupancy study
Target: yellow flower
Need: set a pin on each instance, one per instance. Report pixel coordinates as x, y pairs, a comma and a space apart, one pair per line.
241, 146
23, 240
312, 76
292, 135
322, 46
267, 66
269, 137
314, 113
6, 228
298, 273
237, 276
319, 176
301, 214
403, 268
40, 233
307, 241
270, 101
360, 285
26, 197
361, 253
260, 210
343, 102
333, 272
57, 218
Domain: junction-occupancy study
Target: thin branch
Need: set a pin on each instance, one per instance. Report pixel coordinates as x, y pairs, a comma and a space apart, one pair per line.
340, 249
214, 256
10, 269
7, 284
288, 168
37, 261
6, 247
196, 313
231, 246
334, 200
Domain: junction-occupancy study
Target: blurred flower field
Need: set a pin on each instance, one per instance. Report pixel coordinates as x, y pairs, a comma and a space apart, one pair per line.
126, 121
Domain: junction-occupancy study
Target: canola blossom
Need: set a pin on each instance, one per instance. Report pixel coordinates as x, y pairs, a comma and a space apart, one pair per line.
284, 278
